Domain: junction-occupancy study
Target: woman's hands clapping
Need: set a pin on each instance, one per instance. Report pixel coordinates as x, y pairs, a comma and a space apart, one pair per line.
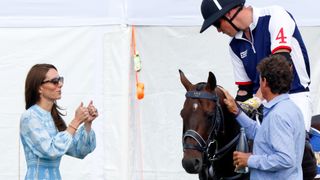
93, 114
83, 115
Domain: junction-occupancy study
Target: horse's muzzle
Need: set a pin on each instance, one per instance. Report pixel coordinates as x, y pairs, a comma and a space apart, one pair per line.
193, 165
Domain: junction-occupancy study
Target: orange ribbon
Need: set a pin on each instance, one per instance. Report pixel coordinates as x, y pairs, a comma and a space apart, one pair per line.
139, 85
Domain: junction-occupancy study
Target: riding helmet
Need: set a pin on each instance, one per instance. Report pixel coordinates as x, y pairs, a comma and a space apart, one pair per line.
213, 10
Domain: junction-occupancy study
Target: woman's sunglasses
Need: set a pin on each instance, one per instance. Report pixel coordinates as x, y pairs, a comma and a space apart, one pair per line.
54, 81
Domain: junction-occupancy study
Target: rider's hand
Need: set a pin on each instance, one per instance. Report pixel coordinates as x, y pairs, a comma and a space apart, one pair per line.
250, 105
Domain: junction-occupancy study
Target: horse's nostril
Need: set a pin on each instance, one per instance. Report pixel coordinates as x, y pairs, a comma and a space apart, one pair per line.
197, 164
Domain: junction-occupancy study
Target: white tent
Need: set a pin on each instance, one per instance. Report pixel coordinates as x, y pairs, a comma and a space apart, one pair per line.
89, 42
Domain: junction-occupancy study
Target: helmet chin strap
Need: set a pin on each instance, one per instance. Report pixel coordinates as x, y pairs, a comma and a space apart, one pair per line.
233, 25
232, 18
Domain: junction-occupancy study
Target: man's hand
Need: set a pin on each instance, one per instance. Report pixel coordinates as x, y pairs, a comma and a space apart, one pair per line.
240, 159
230, 102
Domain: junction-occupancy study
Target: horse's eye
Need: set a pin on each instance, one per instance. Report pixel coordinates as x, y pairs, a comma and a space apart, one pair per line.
210, 114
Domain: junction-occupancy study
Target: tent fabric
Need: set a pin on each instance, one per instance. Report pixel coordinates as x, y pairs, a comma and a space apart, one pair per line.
136, 139
89, 43
51, 13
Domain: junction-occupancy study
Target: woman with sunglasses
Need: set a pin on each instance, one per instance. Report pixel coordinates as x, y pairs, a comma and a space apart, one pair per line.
44, 134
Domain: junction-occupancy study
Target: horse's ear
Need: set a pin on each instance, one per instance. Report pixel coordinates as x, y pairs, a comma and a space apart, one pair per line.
186, 83
212, 82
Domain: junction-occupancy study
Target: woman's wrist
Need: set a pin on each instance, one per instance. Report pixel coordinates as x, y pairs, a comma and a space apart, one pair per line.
88, 122
73, 127
88, 126
75, 123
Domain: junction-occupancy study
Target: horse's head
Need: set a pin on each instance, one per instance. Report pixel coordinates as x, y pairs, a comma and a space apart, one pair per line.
203, 117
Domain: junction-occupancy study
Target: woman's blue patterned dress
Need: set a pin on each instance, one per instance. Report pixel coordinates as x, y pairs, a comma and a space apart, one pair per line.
44, 145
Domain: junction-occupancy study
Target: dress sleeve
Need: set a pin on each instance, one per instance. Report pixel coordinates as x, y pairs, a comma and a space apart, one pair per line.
36, 136
83, 143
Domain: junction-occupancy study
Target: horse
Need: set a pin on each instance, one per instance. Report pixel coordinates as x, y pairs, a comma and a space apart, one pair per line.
210, 132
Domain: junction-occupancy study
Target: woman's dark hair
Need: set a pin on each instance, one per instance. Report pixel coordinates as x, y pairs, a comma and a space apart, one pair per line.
278, 73
35, 77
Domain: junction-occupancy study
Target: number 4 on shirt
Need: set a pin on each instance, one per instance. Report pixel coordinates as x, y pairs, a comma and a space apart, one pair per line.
281, 36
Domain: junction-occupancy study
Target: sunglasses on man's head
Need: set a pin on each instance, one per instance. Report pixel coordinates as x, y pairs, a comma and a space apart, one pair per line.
54, 81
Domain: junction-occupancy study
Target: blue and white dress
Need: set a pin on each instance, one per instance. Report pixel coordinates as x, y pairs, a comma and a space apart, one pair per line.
44, 145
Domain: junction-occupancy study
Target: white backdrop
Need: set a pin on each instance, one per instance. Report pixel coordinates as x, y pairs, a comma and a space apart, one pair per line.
44, 13
137, 140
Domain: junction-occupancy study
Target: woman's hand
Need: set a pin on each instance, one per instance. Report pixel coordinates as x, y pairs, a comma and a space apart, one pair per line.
93, 114
81, 115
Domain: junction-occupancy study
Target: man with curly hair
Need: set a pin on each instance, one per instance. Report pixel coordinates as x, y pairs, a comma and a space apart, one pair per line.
280, 140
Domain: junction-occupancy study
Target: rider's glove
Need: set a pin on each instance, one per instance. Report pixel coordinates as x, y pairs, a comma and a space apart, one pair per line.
250, 105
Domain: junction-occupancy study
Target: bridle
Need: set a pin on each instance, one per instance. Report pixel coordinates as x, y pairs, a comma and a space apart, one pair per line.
216, 120
209, 147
